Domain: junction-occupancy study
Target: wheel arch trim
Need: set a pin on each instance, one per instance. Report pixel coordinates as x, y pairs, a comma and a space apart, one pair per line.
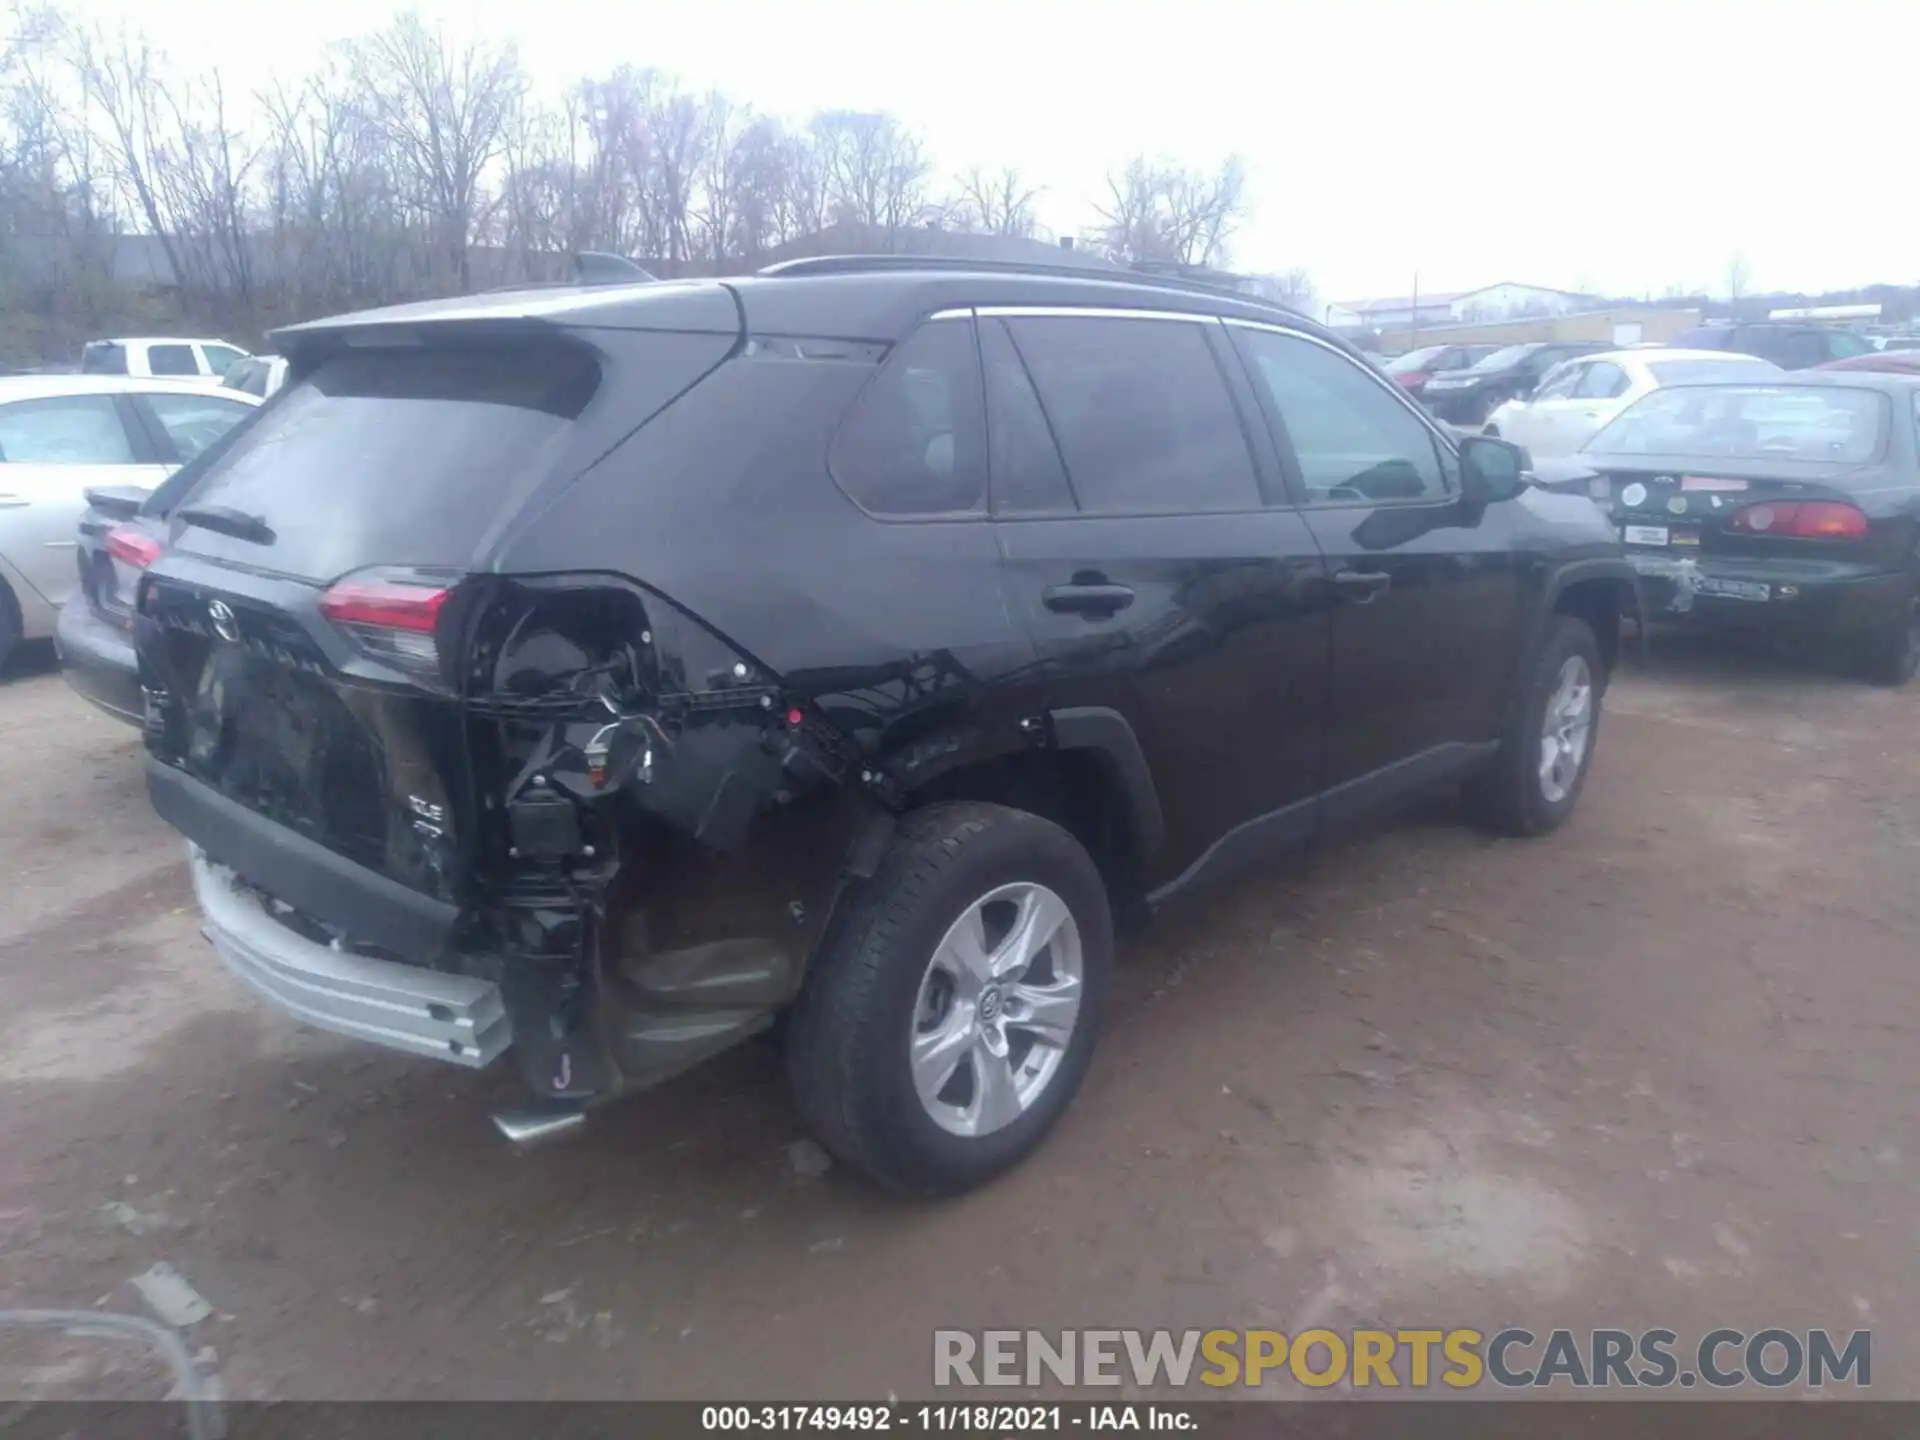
1107, 731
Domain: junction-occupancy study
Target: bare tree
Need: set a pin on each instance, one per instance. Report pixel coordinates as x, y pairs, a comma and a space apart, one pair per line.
875, 172
1160, 211
1291, 288
998, 202
444, 109
1738, 274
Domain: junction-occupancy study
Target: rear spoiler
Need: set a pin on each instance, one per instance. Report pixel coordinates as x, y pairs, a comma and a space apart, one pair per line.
116, 502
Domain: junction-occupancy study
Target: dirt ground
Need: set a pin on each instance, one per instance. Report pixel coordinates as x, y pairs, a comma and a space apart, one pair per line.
1658, 1069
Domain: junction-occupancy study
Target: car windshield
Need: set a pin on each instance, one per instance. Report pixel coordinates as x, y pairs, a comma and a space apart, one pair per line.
1749, 422
1414, 360
1705, 372
1506, 357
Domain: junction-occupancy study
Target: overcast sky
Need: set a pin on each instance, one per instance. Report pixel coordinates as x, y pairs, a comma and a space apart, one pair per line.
1624, 147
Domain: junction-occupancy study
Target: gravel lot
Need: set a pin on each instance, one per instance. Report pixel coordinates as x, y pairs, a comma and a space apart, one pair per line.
1657, 1070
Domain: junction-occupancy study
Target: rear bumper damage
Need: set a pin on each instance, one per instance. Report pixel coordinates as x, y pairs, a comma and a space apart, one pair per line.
98, 660
1775, 594
457, 1018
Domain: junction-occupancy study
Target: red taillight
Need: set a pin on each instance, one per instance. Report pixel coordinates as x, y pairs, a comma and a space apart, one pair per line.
392, 618
1801, 520
386, 604
1413, 379
131, 547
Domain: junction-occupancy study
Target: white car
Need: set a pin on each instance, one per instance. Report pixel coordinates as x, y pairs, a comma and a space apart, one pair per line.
1579, 396
61, 435
258, 375
160, 356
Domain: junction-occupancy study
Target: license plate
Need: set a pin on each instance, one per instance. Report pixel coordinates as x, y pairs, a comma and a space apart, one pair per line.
1644, 534
1733, 589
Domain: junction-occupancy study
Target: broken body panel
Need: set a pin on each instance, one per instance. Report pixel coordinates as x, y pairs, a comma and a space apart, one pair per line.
581, 782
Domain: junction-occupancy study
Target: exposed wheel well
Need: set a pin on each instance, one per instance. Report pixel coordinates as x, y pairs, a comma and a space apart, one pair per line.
1077, 789
1599, 603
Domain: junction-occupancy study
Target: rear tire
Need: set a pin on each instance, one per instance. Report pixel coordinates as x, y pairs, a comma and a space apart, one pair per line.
1528, 790
1891, 654
870, 1038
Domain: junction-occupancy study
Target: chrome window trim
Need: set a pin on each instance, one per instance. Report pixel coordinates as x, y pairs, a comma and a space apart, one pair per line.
1095, 312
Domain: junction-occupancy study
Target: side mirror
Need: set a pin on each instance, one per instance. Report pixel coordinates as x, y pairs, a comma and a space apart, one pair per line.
1491, 470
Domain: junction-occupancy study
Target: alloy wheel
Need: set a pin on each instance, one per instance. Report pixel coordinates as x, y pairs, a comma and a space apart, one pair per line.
996, 1009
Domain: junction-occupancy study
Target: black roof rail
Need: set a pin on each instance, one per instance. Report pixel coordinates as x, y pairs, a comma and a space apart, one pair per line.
1132, 274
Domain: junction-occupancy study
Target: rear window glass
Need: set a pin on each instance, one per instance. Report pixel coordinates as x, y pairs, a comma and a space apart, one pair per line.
1750, 422
1414, 360
1701, 372
396, 457
103, 357
1504, 358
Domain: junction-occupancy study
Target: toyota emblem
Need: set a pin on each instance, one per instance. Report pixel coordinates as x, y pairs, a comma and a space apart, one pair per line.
224, 623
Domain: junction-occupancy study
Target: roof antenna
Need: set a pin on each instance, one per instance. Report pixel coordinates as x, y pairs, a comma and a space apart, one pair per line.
596, 267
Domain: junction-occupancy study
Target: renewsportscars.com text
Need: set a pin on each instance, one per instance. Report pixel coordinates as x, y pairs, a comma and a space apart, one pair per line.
1459, 1359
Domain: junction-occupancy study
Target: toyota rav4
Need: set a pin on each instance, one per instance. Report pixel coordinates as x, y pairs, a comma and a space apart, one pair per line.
592, 678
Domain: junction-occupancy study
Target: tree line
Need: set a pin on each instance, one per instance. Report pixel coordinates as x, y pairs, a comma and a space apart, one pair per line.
410, 163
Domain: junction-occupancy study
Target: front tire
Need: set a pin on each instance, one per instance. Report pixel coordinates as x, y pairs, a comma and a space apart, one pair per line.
1541, 765
951, 1013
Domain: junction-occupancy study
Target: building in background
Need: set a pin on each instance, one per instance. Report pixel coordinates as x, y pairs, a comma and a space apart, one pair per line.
1490, 304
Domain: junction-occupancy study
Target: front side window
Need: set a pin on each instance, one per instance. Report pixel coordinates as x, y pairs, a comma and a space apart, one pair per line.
1142, 413
194, 422
911, 446
1560, 383
221, 358
172, 360
1354, 441
69, 430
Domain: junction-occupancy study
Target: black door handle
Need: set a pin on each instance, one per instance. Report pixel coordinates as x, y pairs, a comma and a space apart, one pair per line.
1096, 600
1362, 585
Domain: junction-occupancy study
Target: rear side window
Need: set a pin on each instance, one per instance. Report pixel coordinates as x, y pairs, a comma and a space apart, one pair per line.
193, 422
1355, 442
911, 446
1142, 414
1603, 380
103, 357
397, 457
70, 430
172, 360
1027, 475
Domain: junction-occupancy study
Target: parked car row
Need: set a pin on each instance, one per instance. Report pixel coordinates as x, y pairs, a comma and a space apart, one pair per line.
1782, 503
63, 436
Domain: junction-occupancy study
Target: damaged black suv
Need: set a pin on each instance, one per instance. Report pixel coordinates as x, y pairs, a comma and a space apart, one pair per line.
595, 677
